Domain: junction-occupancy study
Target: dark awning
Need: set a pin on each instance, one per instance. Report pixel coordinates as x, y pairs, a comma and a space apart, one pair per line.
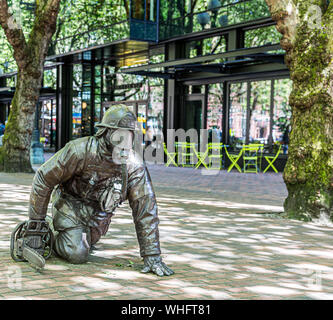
7, 94
227, 67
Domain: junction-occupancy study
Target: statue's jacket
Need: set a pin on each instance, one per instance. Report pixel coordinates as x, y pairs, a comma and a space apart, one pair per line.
83, 177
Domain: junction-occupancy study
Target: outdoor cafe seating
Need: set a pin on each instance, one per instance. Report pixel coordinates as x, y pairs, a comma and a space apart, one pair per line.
246, 158
186, 153
214, 155
272, 159
252, 154
233, 159
171, 156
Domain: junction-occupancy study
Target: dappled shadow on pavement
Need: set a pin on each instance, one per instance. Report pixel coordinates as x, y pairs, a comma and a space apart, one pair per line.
218, 249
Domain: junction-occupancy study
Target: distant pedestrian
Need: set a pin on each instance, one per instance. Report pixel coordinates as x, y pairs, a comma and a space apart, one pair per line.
285, 140
149, 136
2, 129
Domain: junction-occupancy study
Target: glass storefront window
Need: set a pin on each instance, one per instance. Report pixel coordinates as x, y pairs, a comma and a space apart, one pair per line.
47, 123
282, 113
97, 84
144, 10
155, 107
109, 77
185, 17
86, 76
87, 99
129, 87
237, 113
86, 111
77, 101
206, 46
253, 118
76, 132
151, 10
262, 36
214, 110
50, 78
196, 89
259, 112
138, 9
142, 117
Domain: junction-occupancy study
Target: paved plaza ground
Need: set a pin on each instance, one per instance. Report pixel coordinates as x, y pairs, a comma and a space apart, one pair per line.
221, 233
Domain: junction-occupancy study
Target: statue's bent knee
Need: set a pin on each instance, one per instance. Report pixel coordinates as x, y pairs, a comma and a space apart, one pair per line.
78, 256
73, 246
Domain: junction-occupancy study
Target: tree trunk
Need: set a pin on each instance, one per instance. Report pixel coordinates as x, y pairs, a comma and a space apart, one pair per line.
309, 171
17, 139
309, 55
29, 56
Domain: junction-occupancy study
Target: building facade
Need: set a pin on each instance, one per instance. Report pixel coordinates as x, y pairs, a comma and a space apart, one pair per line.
206, 64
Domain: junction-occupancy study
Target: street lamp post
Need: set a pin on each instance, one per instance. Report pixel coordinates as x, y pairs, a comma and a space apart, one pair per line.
223, 20
203, 18
214, 6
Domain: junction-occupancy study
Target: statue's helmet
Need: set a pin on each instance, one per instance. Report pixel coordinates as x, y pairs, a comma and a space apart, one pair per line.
118, 117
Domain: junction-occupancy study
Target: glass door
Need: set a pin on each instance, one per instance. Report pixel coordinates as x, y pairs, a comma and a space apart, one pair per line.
193, 112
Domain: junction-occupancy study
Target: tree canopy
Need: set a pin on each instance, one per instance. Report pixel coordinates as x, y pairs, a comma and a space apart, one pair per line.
83, 23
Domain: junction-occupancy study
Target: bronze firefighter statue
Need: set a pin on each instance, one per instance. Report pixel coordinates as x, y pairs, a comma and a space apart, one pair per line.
87, 180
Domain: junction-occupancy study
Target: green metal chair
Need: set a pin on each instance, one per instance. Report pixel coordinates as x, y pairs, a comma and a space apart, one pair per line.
271, 160
260, 154
171, 156
213, 152
201, 158
215, 155
250, 157
186, 153
233, 158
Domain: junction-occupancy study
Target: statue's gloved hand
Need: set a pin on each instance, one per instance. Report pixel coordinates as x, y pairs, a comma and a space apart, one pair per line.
155, 264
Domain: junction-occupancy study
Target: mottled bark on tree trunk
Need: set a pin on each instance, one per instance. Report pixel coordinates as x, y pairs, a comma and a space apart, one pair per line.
29, 56
309, 55
17, 140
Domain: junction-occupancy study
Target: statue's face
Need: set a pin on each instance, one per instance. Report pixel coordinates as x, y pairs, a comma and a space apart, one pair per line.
121, 143
122, 139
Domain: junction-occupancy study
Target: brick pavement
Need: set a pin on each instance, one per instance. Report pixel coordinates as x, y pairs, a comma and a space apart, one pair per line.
220, 233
